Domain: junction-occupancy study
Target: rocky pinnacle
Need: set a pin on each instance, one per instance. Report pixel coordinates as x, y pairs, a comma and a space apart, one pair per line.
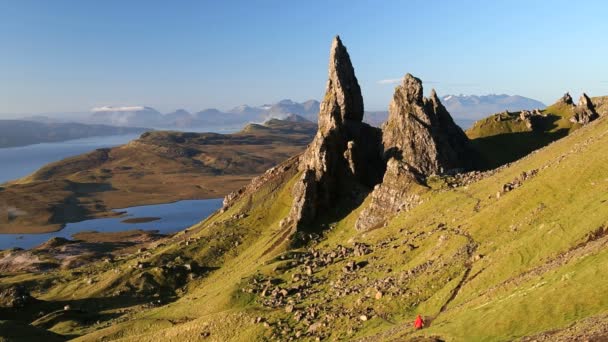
420, 139
345, 151
421, 132
343, 100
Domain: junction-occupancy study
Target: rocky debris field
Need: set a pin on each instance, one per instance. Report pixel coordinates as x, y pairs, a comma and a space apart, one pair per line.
316, 289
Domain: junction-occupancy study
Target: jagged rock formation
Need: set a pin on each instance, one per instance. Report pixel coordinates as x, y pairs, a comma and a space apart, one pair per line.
584, 112
530, 117
421, 132
345, 153
348, 158
420, 139
601, 105
566, 99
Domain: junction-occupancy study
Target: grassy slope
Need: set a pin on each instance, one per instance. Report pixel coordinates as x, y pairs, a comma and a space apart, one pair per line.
503, 138
485, 268
525, 229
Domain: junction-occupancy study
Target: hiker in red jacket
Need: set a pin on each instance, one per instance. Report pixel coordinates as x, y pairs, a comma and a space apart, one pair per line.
419, 323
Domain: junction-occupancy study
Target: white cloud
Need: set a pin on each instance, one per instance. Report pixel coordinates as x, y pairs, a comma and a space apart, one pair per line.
117, 109
390, 81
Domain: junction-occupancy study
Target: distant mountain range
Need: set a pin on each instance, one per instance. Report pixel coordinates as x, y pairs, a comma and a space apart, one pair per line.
212, 117
477, 107
463, 107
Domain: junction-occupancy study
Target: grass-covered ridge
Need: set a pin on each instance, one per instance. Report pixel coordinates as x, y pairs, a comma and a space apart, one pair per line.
159, 167
505, 137
528, 261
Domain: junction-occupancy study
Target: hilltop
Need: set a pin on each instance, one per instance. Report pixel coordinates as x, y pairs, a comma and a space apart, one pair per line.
356, 235
159, 167
507, 136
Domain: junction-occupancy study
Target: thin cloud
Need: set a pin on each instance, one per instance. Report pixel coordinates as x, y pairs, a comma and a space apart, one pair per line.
117, 109
390, 81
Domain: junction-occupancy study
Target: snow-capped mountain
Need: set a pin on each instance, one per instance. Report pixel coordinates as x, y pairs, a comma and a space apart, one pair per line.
127, 116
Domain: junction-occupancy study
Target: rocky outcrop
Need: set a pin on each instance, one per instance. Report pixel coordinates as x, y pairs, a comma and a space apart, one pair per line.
345, 153
601, 105
584, 112
396, 193
15, 296
420, 138
566, 99
421, 132
531, 117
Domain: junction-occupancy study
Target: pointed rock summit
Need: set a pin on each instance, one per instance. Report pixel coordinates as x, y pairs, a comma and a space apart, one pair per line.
345, 154
420, 138
567, 99
343, 100
421, 132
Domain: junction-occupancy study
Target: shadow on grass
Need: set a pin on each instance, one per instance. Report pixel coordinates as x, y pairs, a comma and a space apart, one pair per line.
501, 149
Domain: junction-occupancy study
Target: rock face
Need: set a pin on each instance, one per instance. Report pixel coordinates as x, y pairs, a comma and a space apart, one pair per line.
396, 193
421, 132
420, 138
601, 105
345, 153
584, 112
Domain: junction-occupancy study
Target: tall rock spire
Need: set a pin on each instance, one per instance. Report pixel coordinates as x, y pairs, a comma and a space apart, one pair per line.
343, 100
345, 152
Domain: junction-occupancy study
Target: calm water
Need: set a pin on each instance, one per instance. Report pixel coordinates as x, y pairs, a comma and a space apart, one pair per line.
17, 162
174, 217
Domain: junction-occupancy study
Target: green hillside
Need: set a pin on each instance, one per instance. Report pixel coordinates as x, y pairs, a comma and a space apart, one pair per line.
505, 137
477, 265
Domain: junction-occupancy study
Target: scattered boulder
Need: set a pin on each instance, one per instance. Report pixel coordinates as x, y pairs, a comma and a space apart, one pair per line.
517, 182
15, 296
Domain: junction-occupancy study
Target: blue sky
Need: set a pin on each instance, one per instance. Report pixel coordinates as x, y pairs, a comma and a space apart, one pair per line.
70, 56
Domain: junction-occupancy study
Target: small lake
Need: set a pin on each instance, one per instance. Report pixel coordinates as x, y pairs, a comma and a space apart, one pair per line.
173, 217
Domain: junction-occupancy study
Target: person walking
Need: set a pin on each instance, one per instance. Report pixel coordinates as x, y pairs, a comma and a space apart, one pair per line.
419, 323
